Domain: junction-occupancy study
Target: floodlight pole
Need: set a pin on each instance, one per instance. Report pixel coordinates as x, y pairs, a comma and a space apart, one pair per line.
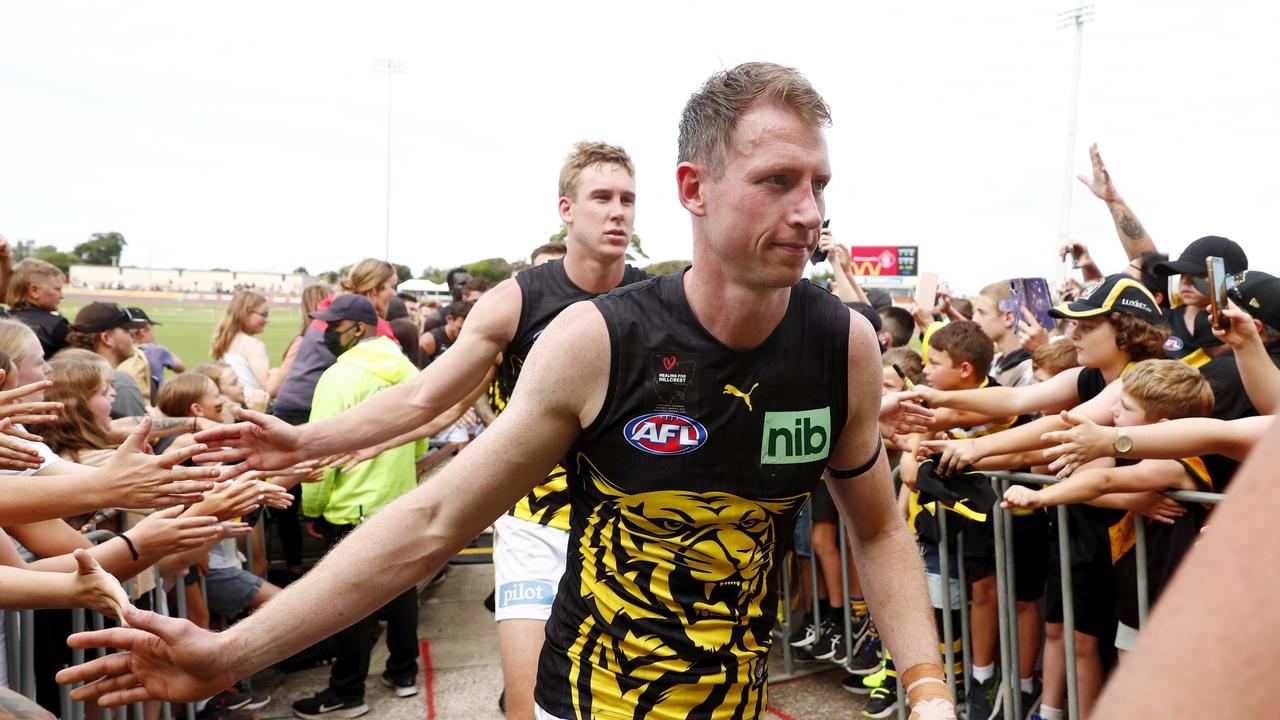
1076, 17
390, 67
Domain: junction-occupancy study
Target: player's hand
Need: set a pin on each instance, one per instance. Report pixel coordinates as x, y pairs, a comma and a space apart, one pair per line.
164, 659
259, 442
139, 480
902, 414
1242, 332
1100, 184
933, 709
14, 453
1020, 496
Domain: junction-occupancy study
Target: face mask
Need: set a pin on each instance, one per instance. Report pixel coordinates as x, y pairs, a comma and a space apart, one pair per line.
334, 341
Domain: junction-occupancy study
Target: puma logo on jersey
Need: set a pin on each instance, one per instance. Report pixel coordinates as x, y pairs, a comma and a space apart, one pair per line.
746, 396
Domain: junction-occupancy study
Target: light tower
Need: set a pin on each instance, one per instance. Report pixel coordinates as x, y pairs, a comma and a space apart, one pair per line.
390, 67
1075, 17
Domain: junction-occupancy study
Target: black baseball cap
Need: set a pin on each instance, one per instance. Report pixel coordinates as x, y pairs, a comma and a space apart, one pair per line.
349, 307
1192, 260
99, 317
1258, 294
139, 314
1116, 293
868, 312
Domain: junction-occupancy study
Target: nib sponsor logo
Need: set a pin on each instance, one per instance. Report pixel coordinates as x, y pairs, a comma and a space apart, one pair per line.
796, 437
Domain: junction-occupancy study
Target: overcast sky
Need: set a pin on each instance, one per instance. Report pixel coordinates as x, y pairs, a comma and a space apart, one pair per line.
253, 135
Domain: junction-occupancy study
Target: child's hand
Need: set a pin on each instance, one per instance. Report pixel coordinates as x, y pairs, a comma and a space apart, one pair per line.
1020, 496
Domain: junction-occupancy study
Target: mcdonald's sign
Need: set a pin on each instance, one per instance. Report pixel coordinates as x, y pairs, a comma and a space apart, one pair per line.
883, 259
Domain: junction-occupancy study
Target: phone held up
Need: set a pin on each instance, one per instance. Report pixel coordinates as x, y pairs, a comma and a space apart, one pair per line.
819, 255
1217, 291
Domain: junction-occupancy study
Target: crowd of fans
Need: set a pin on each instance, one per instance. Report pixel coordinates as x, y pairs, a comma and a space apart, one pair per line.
1135, 390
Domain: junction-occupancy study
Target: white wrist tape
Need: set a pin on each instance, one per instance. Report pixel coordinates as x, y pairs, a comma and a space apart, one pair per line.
934, 709
922, 681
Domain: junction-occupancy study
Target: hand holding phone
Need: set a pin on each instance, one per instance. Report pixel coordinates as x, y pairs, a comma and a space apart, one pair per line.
820, 255
1217, 292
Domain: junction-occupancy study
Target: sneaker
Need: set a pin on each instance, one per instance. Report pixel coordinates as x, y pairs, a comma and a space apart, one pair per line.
867, 659
980, 697
832, 646
405, 688
883, 701
861, 629
489, 600
804, 635
328, 705
818, 649
1031, 699
217, 709
256, 700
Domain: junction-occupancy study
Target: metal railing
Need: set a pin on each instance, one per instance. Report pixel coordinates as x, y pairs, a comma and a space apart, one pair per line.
1001, 526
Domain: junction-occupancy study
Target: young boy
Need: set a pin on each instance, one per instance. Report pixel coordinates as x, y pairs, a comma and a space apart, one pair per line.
1154, 391
33, 295
158, 356
957, 357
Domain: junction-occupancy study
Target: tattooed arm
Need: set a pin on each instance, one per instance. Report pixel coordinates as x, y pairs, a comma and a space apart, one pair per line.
161, 427
1133, 236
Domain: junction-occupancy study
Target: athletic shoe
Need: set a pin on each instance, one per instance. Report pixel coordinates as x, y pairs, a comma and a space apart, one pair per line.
832, 646
981, 697
883, 701
804, 635
820, 647
402, 688
1031, 699
328, 705
234, 699
867, 658
489, 600
861, 630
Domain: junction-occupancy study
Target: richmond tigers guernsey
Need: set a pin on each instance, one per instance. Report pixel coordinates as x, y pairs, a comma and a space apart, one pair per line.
545, 291
685, 492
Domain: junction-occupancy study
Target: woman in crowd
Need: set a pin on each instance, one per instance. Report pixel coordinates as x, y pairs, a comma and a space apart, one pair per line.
235, 343
312, 297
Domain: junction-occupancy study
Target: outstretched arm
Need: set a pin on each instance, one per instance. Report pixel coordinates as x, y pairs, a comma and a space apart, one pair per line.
266, 443
1057, 393
1133, 236
1259, 374
405, 540
1088, 485
884, 549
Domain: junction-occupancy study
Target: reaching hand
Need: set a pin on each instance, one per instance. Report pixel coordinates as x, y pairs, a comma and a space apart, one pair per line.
1083, 442
956, 455
164, 659
900, 414
15, 454
260, 442
95, 588
28, 413
1079, 254
233, 498
1242, 333
167, 532
142, 481
1156, 507
1100, 184
1031, 334
1021, 496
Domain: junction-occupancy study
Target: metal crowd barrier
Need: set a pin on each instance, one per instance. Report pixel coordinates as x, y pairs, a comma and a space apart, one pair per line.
20, 638
1010, 699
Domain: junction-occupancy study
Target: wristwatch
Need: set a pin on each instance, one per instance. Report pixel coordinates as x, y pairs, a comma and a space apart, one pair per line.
1122, 444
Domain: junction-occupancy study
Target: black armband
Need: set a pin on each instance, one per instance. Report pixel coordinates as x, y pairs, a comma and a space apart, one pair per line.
132, 550
861, 469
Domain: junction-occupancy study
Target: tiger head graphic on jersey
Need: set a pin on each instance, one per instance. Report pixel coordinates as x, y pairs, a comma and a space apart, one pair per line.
702, 558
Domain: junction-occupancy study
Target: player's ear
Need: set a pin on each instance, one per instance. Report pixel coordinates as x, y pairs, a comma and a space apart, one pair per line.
689, 181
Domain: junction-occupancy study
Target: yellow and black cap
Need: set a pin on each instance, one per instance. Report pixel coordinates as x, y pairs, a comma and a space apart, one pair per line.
1116, 293
1258, 294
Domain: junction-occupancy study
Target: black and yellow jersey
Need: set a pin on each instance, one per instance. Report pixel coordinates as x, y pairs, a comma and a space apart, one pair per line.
545, 291
685, 492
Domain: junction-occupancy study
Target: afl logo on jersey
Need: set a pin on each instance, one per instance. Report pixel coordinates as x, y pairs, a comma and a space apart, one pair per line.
1173, 344
665, 434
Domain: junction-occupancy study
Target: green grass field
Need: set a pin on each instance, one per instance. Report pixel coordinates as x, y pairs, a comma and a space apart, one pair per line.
187, 327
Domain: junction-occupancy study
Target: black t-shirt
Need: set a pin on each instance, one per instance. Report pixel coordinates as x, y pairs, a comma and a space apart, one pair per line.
685, 492
545, 291
49, 326
1184, 340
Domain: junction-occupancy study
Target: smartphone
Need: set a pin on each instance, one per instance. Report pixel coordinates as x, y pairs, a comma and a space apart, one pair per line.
927, 290
1217, 291
818, 254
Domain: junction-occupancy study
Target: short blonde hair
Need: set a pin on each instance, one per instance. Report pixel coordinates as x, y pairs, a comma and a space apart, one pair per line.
712, 114
998, 292
587, 154
1168, 389
179, 393
13, 339
24, 273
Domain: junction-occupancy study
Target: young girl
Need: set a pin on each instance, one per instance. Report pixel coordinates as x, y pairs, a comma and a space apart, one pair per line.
234, 341
312, 297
